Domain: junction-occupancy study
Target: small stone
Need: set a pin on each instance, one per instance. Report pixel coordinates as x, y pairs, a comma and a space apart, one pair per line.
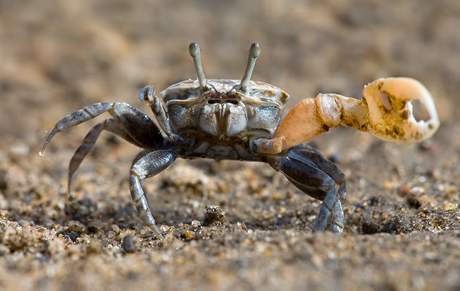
195, 224
404, 190
76, 226
188, 235
73, 236
417, 190
389, 184
128, 244
214, 214
448, 206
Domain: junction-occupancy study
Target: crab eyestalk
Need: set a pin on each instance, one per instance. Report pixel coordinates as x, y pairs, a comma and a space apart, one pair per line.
194, 50
385, 111
254, 53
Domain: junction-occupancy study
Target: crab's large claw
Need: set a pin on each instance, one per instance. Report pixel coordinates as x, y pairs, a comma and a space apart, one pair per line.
391, 115
386, 111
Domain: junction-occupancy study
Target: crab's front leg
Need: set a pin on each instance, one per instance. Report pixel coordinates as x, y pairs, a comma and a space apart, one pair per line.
385, 111
156, 104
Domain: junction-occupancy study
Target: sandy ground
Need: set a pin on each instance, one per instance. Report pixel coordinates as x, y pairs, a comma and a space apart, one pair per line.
402, 212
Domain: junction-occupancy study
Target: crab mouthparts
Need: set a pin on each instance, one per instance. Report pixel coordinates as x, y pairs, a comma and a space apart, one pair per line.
222, 100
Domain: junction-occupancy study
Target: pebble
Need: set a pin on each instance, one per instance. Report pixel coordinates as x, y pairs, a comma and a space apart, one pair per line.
188, 235
406, 190
128, 244
214, 214
448, 206
195, 224
417, 190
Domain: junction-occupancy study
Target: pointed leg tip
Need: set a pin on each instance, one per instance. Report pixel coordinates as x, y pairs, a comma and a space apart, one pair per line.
42, 151
155, 232
337, 228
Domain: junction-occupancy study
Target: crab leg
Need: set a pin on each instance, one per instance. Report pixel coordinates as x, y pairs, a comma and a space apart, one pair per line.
111, 125
75, 118
137, 124
385, 111
147, 164
318, 177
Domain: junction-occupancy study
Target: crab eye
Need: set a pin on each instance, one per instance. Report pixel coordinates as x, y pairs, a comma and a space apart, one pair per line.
147, 93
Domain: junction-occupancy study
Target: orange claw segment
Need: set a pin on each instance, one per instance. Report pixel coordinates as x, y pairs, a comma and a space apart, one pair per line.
300, 124
386, 112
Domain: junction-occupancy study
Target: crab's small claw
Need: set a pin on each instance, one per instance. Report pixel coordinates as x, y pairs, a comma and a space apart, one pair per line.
386, 111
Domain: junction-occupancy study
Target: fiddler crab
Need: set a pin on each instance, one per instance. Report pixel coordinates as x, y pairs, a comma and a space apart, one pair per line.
242, 120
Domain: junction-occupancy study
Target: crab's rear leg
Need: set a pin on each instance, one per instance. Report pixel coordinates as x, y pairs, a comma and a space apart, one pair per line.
318, 177
112, 125
75, 118
127, 122
136, 123
147, 164
386, 111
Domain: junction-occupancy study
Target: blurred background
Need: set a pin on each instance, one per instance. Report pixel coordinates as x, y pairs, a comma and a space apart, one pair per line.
58, 56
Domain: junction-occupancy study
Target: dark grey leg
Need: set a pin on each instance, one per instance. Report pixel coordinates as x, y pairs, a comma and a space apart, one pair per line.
338, 219
111, 125
147, 164
325, 165
319, 178
138, 125
325, 218
77, 117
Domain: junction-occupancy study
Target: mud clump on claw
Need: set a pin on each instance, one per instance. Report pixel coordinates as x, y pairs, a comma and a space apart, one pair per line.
213, 215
